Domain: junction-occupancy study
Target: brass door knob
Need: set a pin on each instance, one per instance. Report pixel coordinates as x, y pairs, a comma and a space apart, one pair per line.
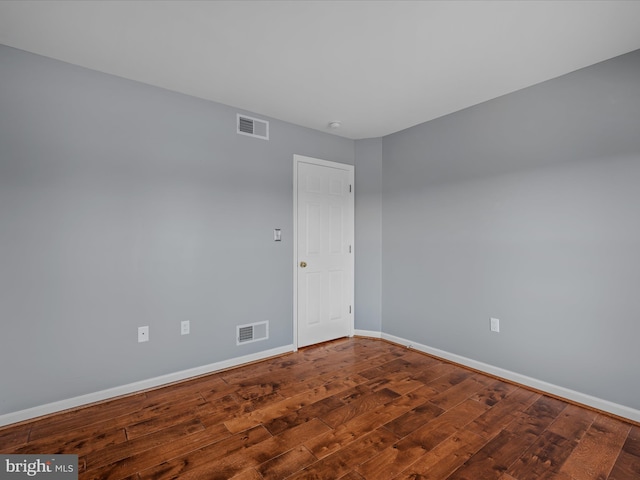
303, 264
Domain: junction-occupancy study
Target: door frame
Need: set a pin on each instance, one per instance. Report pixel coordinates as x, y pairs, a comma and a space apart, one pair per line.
297, 159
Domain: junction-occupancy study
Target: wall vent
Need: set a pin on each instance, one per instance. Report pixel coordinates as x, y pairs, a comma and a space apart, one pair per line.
252, 332
253, 127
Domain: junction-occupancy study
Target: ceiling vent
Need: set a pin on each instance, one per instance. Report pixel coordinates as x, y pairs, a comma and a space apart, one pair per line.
252, 332
253, 127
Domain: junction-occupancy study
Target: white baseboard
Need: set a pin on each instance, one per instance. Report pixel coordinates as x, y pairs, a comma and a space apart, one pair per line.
82, 400
578, 397
572, 395
367, 333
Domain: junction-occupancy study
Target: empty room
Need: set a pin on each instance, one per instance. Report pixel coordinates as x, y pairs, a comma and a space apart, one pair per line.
331, 240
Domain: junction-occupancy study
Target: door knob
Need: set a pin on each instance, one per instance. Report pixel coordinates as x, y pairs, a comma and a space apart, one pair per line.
303, 264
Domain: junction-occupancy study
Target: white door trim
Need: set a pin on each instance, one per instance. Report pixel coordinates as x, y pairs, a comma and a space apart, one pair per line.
297, 159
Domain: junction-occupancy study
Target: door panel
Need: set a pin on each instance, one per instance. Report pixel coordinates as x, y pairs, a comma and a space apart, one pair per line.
312, 296
324, 261
336, 301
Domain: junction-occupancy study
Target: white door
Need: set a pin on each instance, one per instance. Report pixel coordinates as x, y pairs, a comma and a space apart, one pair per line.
324, 265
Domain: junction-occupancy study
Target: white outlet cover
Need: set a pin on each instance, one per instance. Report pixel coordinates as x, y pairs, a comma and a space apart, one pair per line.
185, 327
143, 334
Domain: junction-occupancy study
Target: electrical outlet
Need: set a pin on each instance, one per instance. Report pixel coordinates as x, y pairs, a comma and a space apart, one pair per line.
495, 325
185, 327
143, 334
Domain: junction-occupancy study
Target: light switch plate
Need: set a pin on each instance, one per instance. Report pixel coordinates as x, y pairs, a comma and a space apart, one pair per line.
495, 325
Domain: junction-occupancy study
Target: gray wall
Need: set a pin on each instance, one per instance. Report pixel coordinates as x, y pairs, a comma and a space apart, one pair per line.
368, 228
524, 208
124, 205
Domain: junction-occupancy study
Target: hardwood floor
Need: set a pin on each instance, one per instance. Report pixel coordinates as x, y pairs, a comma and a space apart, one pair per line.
351, 409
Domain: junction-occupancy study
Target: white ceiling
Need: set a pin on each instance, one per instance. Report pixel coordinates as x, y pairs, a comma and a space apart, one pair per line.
376, 66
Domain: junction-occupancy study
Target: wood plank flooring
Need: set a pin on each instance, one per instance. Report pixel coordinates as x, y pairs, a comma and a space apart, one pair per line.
350, 409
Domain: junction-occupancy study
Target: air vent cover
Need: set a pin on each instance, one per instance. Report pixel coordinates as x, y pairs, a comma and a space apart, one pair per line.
253, 127
252, 332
